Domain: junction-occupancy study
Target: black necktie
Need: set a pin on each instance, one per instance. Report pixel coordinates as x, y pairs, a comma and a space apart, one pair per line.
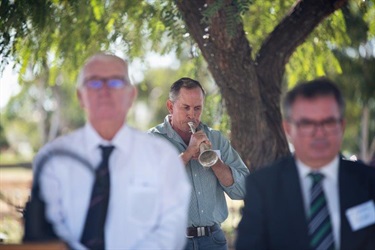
320, 227
93, 233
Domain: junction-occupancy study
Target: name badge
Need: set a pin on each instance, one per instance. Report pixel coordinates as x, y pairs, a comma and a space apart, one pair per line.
362, 215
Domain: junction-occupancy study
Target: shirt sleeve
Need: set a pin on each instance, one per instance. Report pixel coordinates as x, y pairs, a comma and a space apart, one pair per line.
239, 170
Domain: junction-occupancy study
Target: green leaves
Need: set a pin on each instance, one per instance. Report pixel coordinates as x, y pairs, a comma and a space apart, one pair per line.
52, 38
98, 9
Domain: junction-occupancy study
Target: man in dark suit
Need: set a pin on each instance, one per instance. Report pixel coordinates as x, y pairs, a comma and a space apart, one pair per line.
314, 199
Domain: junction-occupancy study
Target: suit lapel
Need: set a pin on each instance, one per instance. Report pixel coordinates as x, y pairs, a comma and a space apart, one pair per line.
294, 202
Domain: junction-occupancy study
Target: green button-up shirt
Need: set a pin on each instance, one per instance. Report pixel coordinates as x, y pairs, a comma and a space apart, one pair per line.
207, 203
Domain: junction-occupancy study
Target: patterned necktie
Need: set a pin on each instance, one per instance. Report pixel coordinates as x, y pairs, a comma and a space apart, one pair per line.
320, 227
93, 233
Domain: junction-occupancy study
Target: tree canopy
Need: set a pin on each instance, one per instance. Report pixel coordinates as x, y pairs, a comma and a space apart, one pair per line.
252, 49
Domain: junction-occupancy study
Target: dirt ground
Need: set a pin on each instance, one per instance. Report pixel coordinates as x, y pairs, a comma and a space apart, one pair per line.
15, 186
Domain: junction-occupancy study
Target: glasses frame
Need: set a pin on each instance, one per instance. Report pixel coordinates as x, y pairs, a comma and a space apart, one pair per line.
121, 83
310, 127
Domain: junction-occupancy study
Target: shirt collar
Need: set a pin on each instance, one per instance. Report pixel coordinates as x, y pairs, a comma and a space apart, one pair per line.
93, 139
123, 139
166, 128
330, 170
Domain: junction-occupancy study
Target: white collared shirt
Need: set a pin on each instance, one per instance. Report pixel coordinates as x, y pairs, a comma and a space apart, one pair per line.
149, 192
331, 191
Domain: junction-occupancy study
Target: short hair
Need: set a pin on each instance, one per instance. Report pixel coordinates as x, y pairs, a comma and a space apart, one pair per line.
183, 82
101, 56
310, 90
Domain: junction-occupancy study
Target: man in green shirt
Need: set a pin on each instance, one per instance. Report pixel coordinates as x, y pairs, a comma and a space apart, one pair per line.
208, 208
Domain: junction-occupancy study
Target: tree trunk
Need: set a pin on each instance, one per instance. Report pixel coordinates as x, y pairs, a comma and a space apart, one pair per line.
252, 88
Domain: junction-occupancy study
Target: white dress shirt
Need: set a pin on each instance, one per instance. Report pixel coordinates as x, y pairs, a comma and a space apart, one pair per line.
149, 190
331, 191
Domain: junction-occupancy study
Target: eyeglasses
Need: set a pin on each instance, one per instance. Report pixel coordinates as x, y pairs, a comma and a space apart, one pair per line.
112, 83
309, 127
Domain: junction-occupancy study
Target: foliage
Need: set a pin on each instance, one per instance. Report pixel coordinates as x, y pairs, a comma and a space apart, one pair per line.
19, 120
257, 26
153, 91
36, 104
51, 31
357, 80
50, 39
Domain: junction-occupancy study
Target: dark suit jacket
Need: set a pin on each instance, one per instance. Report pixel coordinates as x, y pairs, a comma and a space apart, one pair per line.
274, 215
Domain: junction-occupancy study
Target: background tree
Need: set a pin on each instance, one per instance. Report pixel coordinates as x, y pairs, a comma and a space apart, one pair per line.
247, 45
357, 60
3, 140
40, 112
251, 86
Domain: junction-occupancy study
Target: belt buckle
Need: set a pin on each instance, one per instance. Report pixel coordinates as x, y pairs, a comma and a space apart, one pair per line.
201, 232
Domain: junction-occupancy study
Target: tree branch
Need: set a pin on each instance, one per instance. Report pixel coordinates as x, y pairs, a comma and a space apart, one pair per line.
293, 30
220, 50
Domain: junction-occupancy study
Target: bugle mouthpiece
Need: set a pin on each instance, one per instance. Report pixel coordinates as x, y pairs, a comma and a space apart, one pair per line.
191, 125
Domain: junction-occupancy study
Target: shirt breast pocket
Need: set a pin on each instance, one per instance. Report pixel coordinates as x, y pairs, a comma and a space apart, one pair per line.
143, 203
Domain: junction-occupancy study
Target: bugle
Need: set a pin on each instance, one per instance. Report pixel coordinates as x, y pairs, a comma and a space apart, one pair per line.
207, 157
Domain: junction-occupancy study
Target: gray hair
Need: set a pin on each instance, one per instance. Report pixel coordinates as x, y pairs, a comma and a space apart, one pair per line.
102, 56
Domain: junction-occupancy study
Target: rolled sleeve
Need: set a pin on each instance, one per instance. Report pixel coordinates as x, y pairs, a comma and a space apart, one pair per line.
239, 170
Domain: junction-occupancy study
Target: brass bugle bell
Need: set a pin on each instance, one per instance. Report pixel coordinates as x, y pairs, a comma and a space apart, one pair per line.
207, 157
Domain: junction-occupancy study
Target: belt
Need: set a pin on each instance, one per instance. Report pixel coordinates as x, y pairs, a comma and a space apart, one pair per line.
192, 232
